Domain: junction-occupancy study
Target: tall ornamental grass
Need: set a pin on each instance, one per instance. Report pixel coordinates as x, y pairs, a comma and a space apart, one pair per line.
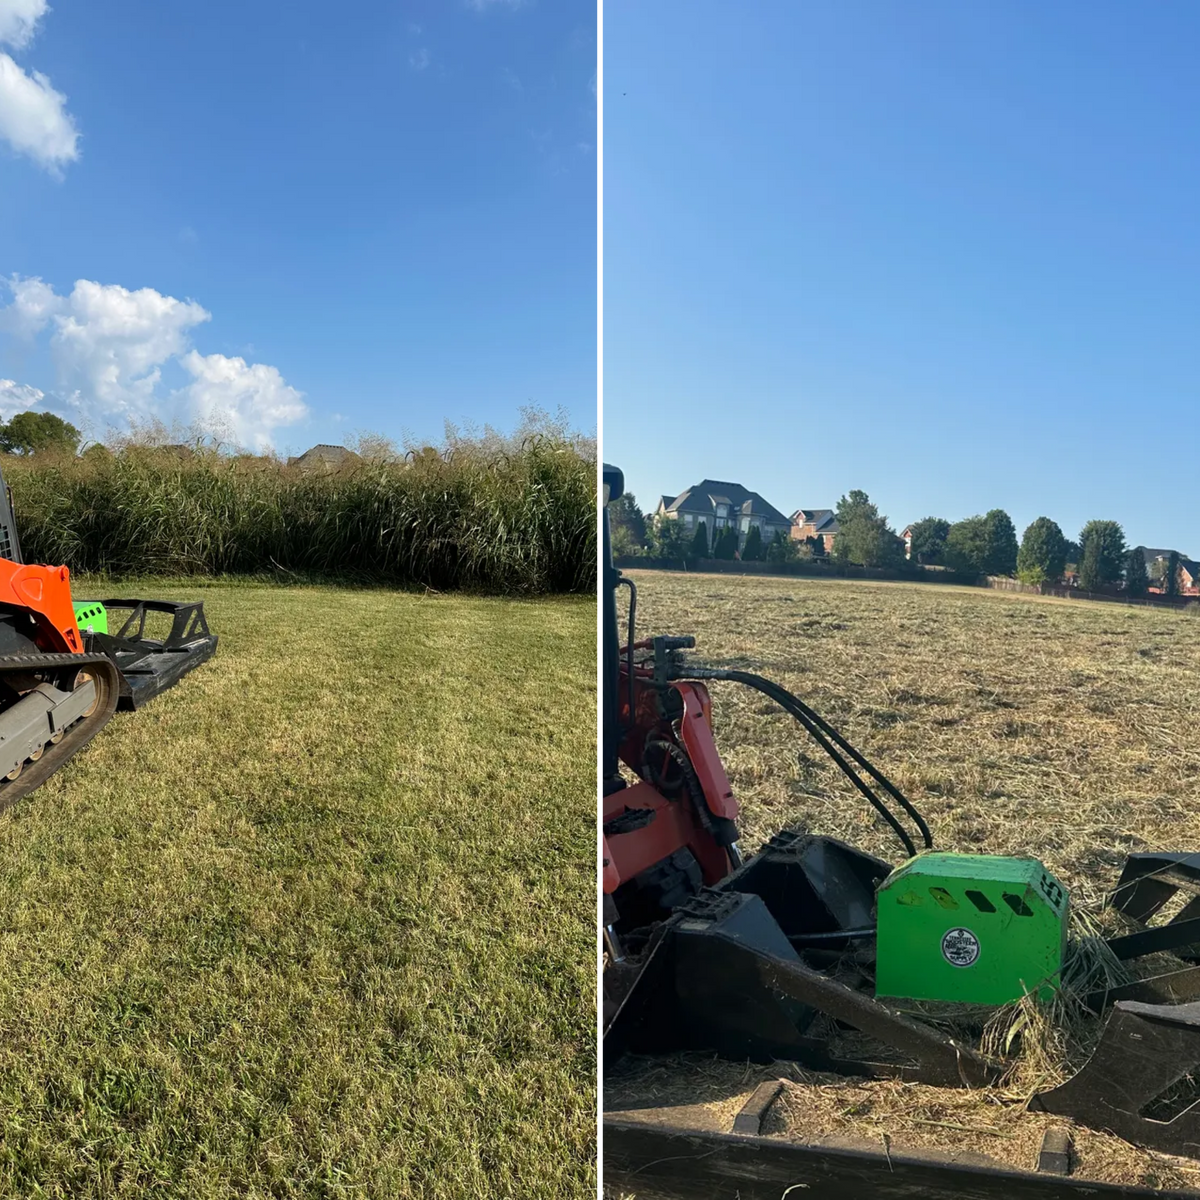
518, 523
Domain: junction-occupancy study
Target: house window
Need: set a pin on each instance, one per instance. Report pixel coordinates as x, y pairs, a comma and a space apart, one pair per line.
722, 510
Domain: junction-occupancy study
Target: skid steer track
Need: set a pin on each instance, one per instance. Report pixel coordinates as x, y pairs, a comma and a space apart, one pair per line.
66, 731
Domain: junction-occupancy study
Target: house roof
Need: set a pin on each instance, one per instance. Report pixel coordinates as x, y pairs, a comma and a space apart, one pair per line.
704, 497
1152, 556
323, 453
665, 502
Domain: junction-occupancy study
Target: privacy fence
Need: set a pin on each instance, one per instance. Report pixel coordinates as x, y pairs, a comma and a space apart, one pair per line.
913, 574
1153, 600
813, 568
521, 523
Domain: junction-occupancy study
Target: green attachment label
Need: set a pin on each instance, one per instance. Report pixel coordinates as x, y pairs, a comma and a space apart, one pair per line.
91, 616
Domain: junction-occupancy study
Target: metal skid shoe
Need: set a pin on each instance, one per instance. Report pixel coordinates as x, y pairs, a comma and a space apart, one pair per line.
725, 973
148, 666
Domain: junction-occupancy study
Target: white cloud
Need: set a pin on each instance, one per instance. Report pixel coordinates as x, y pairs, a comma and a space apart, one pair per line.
109, 345
17, 397
18, 20
34, 303
34, 119
419, 59
248, 400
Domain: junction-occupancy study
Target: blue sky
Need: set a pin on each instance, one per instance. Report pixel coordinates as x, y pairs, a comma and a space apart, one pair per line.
947, 253
371, 217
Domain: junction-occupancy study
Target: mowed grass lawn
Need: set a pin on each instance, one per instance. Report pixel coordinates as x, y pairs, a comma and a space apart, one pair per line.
320, 921
1064, 729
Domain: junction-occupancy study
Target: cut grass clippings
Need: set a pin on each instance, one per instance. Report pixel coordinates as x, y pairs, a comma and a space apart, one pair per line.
1018, 725
319, 921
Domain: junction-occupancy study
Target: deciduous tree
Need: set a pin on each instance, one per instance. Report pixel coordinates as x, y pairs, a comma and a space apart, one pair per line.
967, 545
1000, 555
1136, 578
30, 432
1102, 545
1043, 554
928, 539
864, 536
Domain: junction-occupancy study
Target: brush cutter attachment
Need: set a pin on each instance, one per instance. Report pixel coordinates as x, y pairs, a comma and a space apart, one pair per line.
746, 969
1140, 1082
149, 666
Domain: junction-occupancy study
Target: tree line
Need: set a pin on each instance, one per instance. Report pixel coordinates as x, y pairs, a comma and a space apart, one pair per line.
985, 544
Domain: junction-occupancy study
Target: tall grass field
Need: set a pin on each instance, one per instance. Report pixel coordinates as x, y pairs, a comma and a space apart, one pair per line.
517, 521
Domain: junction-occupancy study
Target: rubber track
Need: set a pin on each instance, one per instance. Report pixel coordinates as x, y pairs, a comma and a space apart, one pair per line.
107, 677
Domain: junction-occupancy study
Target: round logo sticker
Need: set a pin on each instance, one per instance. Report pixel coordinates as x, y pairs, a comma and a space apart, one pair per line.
960, 947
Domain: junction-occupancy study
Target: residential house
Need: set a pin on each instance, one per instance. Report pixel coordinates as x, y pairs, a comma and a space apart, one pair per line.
906, 535
721, 505
1189, 570
815, 523
324, 458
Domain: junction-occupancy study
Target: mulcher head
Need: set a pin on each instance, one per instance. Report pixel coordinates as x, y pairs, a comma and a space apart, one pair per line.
148, 665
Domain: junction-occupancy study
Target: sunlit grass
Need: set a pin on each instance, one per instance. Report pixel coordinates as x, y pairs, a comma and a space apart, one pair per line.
319, 922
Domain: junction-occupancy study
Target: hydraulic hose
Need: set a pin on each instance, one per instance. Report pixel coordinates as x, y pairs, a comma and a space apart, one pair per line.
830, 741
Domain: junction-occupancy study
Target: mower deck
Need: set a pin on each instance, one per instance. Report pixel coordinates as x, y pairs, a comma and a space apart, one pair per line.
148, 666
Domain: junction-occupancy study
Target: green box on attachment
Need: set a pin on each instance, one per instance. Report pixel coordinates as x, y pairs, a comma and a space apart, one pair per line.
91, 616
970, 928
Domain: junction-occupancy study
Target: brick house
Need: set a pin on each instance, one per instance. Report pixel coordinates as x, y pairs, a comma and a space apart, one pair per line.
721, 505
815, 522
1189, 570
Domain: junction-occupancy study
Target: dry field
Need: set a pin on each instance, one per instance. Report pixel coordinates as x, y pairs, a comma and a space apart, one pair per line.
1016, 724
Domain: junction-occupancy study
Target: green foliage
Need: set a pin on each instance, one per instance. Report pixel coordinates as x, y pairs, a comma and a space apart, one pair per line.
753, 551
816, 545
928, 542
1090, 577
725, 544
623, 543
666, 537
1074, 553
967, 546
1103, 554
699, 547
625, 516
30, 432
1043, 554
1000, 554
864, 536
519, 523
1171, 575
784, 550
1136, 578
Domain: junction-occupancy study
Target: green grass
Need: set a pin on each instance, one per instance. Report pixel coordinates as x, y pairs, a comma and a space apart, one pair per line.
320, 921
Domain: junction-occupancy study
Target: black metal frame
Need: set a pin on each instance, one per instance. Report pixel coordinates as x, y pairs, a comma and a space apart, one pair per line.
149, 667
654, 1158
